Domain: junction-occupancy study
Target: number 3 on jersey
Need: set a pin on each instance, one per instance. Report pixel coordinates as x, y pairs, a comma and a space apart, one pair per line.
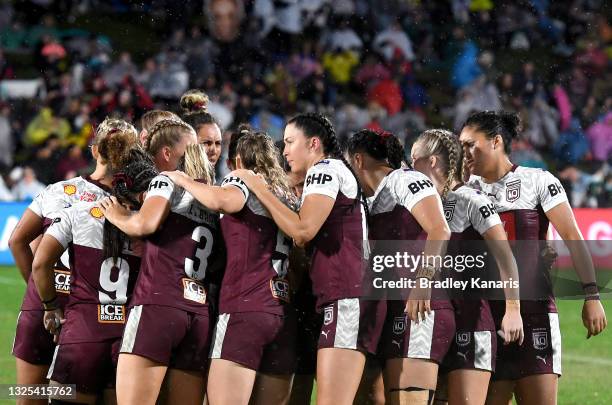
195, 267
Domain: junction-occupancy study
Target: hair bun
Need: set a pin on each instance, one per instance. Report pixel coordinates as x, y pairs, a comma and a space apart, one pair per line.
511, 122
194, 101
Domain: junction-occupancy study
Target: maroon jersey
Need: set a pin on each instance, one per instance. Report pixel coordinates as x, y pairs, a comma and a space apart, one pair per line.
390, 212
182, 256
255, 277
522, 197
100, 289
54, 198
337, 269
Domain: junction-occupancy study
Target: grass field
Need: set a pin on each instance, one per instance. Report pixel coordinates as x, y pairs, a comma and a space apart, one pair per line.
586, 363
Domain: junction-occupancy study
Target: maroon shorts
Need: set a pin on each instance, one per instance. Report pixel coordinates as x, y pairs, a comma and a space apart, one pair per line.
351, 323
474, 350
33, 343
475, 343
540, 352
169, 336
257, 340
91, 366
429, 339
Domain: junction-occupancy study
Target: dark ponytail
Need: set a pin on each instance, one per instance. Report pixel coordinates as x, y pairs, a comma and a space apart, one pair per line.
492, 123
314, 124
382, 146
133, 170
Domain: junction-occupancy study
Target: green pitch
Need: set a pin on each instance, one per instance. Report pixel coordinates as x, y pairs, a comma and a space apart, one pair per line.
586, 363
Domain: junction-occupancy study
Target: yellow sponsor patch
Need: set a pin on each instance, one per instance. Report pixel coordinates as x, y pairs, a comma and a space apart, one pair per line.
70, 189
96, 212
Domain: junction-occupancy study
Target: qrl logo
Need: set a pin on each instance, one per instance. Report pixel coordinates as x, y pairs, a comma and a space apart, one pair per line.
399, 325
463, 338
62, 281
111, 313
328, 316
513, 191
449, 210
194, 291
540, 340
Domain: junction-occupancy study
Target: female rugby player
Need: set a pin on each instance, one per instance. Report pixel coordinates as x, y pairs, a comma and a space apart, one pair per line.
332, 219
183, 250
104, 268
527, 200
471, 217
33, 346
253, 354
404, 205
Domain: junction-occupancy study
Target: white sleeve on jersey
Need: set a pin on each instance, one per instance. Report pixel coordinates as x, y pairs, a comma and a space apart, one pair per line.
161, 186
234, 181
36, 206
323, 179
61, 227
412, 187
549, 190
482, 213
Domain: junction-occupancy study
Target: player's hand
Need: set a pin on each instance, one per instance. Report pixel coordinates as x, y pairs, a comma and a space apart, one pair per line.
593, 317
419, 304
178, 177
53, 321
512, 326
252, 180
112, 209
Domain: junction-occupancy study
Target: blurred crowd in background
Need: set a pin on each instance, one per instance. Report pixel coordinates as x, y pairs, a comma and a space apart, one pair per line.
398, 65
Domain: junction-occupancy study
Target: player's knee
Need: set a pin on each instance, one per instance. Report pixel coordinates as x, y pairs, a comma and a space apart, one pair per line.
413, 395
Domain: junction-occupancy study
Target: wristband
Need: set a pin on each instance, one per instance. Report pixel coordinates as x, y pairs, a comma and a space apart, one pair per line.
50, 305
590, 289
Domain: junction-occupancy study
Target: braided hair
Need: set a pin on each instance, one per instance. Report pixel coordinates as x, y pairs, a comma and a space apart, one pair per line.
382, 146
445, 144
314, 124
243, 129
133, 170
166, 132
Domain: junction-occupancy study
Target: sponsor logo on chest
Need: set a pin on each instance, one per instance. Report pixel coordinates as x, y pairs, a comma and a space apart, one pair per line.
62, 281
111, 313
87, 196
194, 291
280, 289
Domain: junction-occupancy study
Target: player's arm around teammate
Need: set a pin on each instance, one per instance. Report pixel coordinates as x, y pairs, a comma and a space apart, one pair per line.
253, 342
331, 209
437, 154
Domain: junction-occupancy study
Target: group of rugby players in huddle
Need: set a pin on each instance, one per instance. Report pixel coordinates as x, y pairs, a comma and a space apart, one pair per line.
149, 283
